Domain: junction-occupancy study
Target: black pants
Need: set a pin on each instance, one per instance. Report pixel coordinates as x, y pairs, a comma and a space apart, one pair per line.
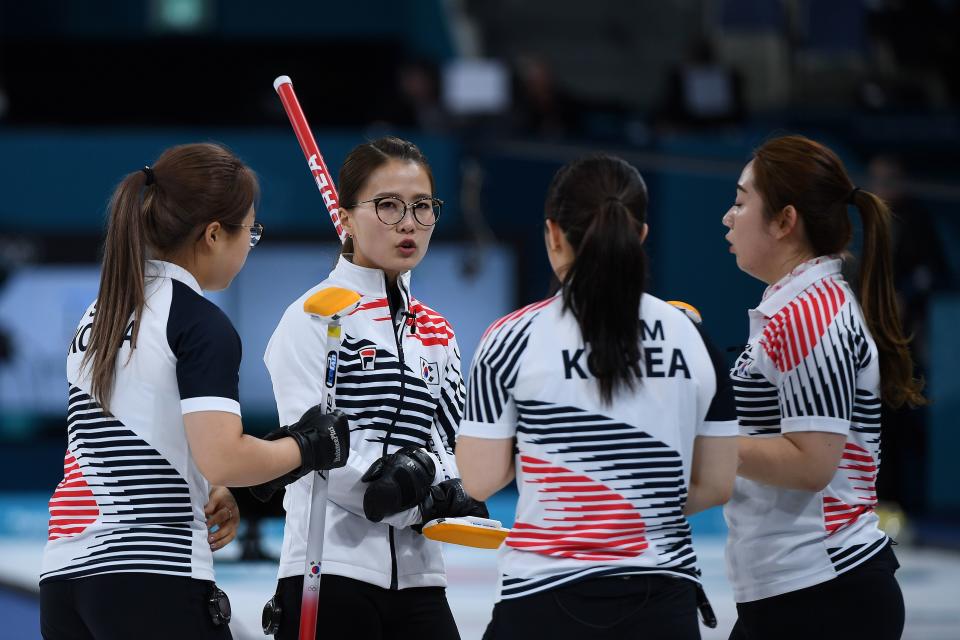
864, 602
353, 609
653, 606
128, 605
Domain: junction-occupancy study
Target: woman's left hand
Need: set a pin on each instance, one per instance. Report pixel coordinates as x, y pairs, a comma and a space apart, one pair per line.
223, 516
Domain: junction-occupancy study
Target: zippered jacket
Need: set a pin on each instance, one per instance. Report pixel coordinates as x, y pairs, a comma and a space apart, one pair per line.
399, 375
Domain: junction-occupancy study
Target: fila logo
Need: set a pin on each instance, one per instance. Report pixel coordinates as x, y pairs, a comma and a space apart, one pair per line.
368, 358
428, 371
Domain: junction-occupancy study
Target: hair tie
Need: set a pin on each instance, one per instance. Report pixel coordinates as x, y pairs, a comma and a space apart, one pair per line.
151, 177
851, 199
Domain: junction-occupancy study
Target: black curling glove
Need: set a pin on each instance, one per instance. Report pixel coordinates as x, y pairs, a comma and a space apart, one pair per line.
324, 441
449, 500
398, 481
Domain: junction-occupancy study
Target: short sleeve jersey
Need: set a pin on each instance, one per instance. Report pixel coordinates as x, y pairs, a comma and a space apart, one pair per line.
132, 498
810, 365
602, 486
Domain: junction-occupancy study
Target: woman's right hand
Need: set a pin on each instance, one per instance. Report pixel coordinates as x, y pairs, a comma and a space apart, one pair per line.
323, 438
324, 443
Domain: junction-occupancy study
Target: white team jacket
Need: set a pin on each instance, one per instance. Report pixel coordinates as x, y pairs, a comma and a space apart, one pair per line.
397, 377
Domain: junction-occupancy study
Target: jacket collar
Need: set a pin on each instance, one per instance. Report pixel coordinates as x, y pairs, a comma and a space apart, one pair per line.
369, 282
778, 295
162, 269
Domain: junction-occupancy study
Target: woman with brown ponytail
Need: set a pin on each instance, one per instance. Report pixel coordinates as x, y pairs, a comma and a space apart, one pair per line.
614, 415
153, 416
805, 554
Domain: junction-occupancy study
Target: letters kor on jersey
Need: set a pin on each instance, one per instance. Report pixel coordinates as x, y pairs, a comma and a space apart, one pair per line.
654, 362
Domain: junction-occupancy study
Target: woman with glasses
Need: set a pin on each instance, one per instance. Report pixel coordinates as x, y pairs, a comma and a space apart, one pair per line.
399, 379
153, 416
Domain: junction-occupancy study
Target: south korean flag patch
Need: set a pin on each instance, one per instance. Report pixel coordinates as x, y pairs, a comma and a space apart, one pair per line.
429, 372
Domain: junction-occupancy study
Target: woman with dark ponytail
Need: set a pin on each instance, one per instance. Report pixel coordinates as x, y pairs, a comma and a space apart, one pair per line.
153, 416
614, 415
806, 556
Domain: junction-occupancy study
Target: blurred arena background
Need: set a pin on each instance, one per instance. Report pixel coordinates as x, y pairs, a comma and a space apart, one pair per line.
499, 94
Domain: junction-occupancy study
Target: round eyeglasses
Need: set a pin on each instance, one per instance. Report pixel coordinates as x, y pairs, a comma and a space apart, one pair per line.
391, 210
256, 230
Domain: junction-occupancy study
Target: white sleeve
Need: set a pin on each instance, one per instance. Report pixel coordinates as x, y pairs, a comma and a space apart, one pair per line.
296, 361
809, 351
491, 411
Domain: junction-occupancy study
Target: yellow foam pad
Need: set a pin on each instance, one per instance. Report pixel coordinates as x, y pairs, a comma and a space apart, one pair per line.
465, 533
332, 302
688, 309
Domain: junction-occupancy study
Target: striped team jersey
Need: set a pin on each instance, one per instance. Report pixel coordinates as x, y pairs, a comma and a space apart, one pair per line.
602, 487
810, 365
132, 498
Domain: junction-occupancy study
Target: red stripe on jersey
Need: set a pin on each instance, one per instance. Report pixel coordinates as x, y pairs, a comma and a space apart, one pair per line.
795, 330
835, 297
562, 478
600, 524
431, 327
379, 303
518, 313
818, 309
582, 497
616, 506
836, 513
599, 535
574, 488
596, 518
610, 526
73, 507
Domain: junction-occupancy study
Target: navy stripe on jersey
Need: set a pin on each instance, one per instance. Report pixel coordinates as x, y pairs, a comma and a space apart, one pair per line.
818, 346
845, 558
822, 384
369, 391
206, 345
450, 408
141, 499
866, 416
758, 401
496, 365
518, 587
610, 491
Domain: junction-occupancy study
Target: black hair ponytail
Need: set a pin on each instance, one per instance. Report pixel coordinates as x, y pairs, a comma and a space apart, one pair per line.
600, 203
